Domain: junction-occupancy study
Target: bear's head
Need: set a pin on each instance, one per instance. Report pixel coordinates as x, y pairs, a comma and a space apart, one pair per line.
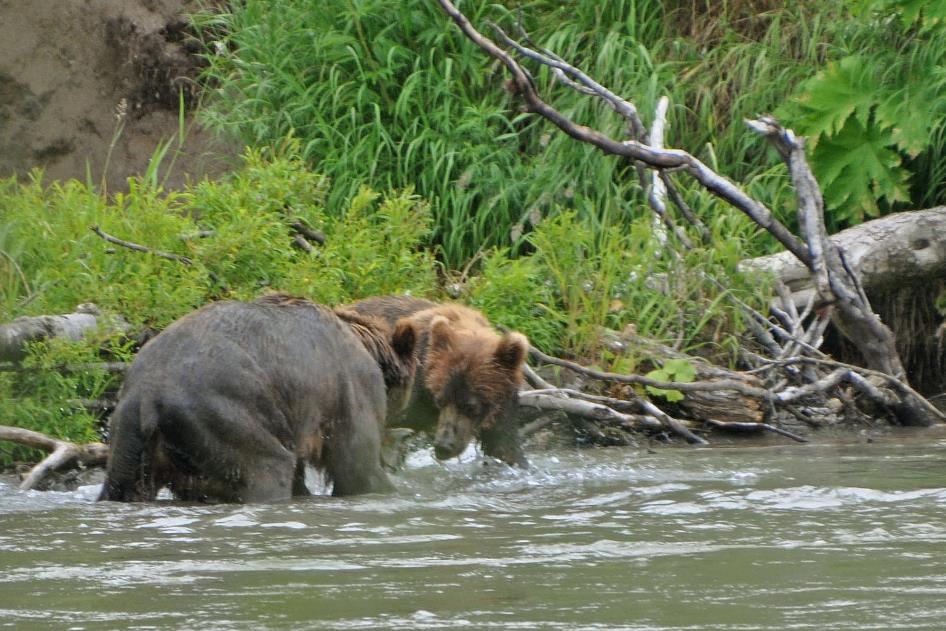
473, 375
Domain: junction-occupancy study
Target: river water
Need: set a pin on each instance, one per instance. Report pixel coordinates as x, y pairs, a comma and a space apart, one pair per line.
830, 536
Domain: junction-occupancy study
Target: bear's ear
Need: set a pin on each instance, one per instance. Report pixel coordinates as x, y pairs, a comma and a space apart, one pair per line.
404, 338
511, 351
441, 335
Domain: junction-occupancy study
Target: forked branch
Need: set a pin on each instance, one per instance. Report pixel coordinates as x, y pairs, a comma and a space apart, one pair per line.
837, 286
632, 149
62, 453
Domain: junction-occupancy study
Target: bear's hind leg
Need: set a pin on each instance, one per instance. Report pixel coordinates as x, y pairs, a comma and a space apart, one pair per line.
269, 478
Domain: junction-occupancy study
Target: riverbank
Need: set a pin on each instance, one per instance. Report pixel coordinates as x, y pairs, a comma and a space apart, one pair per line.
91, 88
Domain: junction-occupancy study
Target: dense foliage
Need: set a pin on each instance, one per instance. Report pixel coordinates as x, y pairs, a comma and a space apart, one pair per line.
553, 238
387, 92
875, 115
235, 231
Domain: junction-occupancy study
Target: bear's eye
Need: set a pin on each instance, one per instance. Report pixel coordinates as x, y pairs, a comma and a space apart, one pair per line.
472, 408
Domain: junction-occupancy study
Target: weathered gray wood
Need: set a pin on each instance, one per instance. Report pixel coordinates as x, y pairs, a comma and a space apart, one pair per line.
63, 453
15, 335
882, 253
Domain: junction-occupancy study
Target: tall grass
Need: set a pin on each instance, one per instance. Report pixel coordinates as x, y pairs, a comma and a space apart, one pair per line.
387, 93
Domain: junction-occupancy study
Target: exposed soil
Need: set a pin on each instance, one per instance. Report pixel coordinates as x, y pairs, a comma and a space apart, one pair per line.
70, 70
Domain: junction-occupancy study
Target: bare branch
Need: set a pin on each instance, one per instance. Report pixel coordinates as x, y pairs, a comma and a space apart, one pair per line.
307, 231
587, 409
755, 427
299, 241
692, 386
654, 419
534, 379
705, 236
141, 248
63, 453
635, 150
584, 84
658, 190
828, 382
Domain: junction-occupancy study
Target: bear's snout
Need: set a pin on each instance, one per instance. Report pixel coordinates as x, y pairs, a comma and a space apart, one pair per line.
454, 433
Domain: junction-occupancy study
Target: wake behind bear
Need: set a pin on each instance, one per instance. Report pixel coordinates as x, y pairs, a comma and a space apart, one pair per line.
230, 402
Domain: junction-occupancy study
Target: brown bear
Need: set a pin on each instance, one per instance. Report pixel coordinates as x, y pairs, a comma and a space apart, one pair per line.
231, 401
467, 376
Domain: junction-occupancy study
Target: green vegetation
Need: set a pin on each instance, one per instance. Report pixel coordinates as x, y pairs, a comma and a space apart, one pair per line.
875, 114
388, 93
397, 138
55, 262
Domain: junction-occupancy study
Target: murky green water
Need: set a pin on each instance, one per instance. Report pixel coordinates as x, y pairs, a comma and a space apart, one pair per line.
781, 537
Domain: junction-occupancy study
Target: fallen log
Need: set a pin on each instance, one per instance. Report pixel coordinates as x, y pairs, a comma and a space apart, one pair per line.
15, 335
881, 253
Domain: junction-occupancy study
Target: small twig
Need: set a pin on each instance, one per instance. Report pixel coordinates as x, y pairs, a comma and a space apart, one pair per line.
755, 427
19, 272
761, 319
797, 392
587, 409
815, 333
872, 391
141, 248
308, 232
578, 394
672, 423
803, 417
706, 237
658, 190
623, 107
534, 379
299, 241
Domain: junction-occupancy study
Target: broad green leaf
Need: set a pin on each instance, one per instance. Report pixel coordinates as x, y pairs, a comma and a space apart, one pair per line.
930, 12
856, 168
910, 113
845, 89
681, 369
663, 375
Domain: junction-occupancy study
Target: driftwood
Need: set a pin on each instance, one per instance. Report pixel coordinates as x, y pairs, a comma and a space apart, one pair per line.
796, 329
881, 253
74, 326
706, 400
63, 454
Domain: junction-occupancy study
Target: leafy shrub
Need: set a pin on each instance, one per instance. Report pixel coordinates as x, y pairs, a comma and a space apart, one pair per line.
515, 293
875, 115
237, 233
577, 282
46, 399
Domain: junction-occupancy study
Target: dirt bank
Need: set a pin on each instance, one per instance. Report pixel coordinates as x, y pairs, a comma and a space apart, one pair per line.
70, 68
